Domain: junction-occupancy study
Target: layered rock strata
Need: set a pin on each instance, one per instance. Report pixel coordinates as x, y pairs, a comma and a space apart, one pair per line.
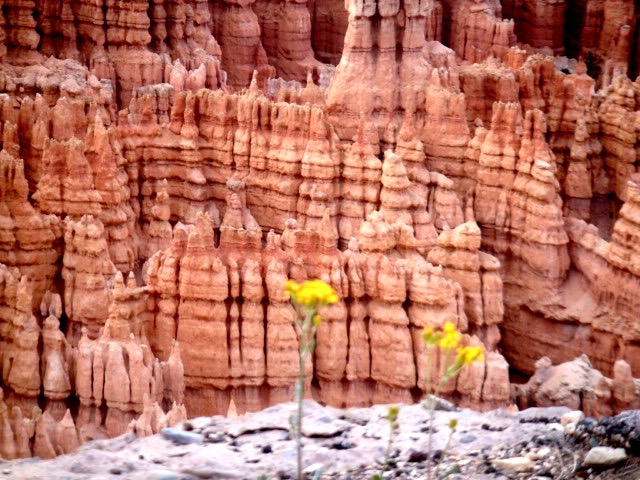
236, 27
353, 342
116, 374
286, 37
608, 272
29, 240
478, 31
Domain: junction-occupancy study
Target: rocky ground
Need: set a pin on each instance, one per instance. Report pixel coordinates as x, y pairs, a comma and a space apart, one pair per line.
350, 444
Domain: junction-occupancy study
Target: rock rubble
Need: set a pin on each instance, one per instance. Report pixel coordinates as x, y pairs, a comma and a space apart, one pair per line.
345, 444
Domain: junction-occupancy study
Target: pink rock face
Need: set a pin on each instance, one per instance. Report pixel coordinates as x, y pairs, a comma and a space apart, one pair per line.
88, 176
330, 20
540, 23
579, 386
286, 37
617, 119
378, 75
237, 29
29, 239
478, 31
87, 269
212, 275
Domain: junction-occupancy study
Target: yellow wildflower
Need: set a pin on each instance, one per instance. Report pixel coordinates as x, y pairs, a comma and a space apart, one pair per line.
291, 287
392, 413
311, 293
467, 355
428, 335
451, 337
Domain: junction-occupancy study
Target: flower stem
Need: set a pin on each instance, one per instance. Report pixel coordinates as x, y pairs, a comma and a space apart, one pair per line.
450, 371
444, 451
306, 345
299, 397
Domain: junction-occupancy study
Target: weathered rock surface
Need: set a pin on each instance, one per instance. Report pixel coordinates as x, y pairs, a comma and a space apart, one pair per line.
579, 386
353, 340
361, 433
347, 444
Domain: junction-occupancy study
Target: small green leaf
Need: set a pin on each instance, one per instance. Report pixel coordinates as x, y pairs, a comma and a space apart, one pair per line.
455, 468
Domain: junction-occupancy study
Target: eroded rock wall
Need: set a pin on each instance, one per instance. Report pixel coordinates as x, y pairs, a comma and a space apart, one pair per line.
208, 292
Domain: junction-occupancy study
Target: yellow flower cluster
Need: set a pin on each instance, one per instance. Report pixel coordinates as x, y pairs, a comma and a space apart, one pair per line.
468, 355
311, 293
449, 339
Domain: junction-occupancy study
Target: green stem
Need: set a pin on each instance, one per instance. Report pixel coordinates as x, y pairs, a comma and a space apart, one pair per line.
450, 371
387, 453
429, 405
299, 397
432, 414
427, 374
306, 345
444, 451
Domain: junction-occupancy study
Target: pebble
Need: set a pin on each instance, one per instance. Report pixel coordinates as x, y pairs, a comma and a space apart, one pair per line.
342, 445
571, 417
162, 475
323, 427
312, 469
514, 465
181, 437
206, 472
543, 453
416, 456
604, 457
468, 439
197, 424
212, 436
81, 467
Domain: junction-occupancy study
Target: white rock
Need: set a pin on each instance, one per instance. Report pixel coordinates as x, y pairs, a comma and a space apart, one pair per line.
555, 427
312, 469
604, 456
544, 452
514, 465
539, 454
571, 418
